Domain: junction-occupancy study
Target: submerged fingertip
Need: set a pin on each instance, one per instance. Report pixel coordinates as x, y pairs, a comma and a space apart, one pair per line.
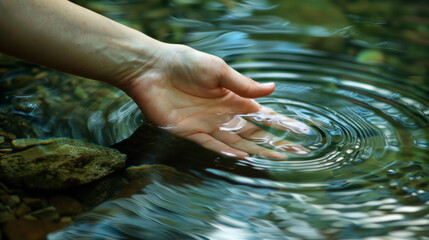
244, 156
277, 155
300, 150
268, 84
228, 154
305, 151
241, 155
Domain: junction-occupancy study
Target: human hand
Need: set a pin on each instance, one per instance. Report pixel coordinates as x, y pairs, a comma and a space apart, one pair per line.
197, 96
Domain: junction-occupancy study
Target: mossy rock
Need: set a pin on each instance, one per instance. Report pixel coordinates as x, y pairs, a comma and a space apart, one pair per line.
59, 164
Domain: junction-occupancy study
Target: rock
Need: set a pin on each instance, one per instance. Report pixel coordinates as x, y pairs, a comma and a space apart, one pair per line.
18, 81
48, 214
60, 164
10, 200
29, 105
28, 229
65, 221
370, 56
3, 207
17, 126
80, 93
6, 216
29, 142
5, 144
34, 203
8, 136
41, 75
21, 210
6, 147
66, 205
15, 192
29, 217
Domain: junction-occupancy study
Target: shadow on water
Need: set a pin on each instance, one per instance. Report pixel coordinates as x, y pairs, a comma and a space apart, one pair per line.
354, 71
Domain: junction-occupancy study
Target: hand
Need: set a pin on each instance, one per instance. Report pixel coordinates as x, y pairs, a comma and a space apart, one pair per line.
197, 96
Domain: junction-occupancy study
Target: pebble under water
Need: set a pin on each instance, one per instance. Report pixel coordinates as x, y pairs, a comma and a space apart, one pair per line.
367, 176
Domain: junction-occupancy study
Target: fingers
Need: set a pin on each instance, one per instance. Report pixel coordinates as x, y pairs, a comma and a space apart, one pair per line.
245, 138
238, 142
268, 117
210, 143
245, 86
256, 134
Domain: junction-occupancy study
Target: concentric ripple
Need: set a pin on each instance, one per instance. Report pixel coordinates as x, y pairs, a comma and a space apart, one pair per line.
358, 118
364, 116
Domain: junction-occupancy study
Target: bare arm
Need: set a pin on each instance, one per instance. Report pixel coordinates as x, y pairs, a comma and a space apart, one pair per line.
64, 36
192, 94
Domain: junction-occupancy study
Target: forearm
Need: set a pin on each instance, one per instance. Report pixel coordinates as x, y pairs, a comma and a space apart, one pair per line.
64, 36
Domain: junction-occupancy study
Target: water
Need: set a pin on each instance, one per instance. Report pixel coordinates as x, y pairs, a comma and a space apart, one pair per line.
355, 73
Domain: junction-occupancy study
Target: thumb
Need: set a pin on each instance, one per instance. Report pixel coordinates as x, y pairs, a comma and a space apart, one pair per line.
244, 86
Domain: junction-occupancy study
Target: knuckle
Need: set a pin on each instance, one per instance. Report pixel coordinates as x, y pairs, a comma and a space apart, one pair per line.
222, 68
236, 141
252, 132
206, 142
228, 150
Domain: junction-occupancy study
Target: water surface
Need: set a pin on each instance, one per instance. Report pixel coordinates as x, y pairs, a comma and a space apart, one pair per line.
354, 71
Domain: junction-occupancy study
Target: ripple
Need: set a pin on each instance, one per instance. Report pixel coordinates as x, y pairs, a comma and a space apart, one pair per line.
361, 121
366, 176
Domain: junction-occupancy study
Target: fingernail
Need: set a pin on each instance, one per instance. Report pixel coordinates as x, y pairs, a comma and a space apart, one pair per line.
239, 155
294, 148
277, 155
228, 154
296, 127
298, 150
268, 84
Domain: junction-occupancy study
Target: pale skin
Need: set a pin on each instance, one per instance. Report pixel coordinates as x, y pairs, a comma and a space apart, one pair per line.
191, 94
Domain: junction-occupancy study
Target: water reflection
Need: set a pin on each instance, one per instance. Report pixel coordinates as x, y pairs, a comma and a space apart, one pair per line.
367, 173
215, 209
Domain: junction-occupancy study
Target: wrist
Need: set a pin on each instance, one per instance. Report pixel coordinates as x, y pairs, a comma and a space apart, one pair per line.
135, 55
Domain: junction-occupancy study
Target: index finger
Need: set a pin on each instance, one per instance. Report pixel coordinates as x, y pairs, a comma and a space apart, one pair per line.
270, 118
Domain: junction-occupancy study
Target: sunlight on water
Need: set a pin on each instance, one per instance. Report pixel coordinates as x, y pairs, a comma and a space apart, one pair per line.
366, 126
